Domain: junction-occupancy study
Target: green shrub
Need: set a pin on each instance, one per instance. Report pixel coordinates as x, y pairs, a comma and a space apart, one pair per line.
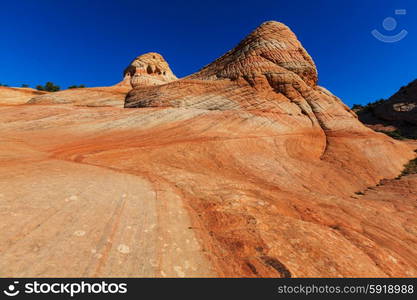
76, 86
48, 87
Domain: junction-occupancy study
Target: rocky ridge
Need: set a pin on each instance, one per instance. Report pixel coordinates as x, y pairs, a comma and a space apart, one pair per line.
398, 114
402, 106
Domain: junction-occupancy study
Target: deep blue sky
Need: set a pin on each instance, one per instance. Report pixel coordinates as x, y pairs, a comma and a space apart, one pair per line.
91, 42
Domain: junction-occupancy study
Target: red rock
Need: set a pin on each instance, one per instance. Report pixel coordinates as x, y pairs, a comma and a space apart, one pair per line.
148, 69
216, 174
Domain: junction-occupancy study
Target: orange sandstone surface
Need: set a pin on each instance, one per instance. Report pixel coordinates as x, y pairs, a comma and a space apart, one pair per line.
94, 97
15, 96
246, 168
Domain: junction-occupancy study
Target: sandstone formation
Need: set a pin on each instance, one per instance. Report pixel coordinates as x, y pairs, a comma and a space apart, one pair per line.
246, 168
97, 96
148, 69
13, 96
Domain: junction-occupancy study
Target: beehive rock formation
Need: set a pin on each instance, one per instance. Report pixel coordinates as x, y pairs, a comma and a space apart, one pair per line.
269, 59
270, 74
148, 69
271, 49
245, 169
268, 70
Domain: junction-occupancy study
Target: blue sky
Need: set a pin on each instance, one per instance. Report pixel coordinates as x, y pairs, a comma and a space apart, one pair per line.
91, 42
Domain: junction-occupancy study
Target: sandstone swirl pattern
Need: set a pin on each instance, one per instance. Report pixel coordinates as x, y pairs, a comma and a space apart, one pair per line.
245, 168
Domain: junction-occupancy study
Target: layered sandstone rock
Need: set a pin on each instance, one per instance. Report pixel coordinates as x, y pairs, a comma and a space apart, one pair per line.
271, 49
98, 96
270, 82
13, 96
246, 168
148, 69
268, 70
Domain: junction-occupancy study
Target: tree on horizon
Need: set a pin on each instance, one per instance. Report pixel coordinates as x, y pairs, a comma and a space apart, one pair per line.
48, 87
76, 86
